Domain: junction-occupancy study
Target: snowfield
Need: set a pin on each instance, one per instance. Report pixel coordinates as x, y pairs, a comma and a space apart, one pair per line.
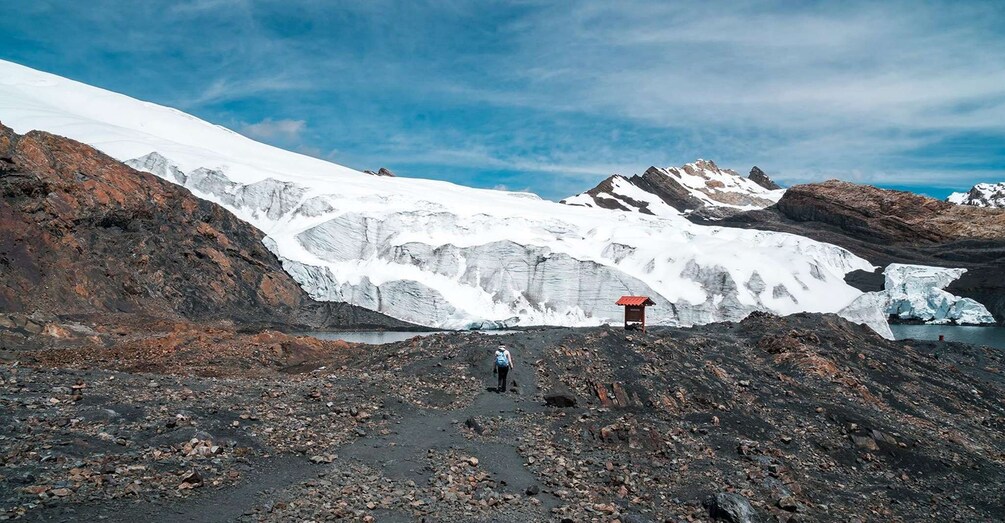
444, 255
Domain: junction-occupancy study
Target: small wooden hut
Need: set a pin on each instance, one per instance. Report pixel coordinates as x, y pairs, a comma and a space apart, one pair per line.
635, 310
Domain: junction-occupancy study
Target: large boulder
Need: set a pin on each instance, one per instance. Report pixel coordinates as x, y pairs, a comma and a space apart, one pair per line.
730, 507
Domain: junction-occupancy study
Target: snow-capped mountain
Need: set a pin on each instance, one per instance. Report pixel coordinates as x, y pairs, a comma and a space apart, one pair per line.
700, 188
981, 195
440, 254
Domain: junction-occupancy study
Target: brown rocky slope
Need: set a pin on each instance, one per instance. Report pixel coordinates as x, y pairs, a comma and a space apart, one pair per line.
885, 226
82, 235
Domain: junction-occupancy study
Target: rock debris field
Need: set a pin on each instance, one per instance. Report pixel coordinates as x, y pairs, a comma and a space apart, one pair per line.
803, 418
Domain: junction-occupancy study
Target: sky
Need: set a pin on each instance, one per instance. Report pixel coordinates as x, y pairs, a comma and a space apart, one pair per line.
553, 97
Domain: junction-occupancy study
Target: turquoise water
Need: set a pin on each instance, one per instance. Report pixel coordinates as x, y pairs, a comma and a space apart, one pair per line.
381, 337
991, 336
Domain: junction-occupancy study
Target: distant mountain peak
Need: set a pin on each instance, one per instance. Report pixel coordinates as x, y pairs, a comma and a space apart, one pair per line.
700, 187
981, 195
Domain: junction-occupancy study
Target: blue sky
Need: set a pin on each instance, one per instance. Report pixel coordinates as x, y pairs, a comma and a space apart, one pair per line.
555, 96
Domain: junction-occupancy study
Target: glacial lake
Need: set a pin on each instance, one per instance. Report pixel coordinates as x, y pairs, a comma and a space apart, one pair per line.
382, 337
991, 336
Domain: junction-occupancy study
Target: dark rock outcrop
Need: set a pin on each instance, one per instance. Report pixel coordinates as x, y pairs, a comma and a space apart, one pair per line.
885, 226
669, 190
760, 178
730, 507
560, 399
380, 172
83, 234
605, 197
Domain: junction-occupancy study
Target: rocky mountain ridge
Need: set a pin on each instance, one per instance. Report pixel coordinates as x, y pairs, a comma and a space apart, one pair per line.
85, 235
701, 189
383, 171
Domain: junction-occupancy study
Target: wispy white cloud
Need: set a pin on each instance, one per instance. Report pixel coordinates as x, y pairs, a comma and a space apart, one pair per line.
269, 129
567, 92
200, 6
811, 91
224, 89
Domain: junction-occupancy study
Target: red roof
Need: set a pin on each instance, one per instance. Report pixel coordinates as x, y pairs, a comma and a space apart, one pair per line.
635, 300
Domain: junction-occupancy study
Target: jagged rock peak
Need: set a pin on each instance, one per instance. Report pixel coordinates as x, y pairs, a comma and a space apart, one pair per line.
760, 178
981, 195
699, 167
383, 171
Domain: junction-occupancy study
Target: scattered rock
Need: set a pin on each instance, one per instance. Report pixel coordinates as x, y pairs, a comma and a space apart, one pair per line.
788, 503
864, 442
561, 399
730, 507
323, 458
475, 426
190, 480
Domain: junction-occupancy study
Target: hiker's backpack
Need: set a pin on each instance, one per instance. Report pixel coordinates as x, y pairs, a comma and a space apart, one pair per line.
501, 360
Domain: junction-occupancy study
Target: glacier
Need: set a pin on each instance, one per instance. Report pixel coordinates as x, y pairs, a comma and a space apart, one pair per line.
916, 293
440, 254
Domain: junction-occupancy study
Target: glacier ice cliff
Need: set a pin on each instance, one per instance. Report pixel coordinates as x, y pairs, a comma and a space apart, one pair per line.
915, 293
454, 266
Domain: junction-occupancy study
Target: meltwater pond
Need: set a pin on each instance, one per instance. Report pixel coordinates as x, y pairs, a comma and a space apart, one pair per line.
993, 336
382, 337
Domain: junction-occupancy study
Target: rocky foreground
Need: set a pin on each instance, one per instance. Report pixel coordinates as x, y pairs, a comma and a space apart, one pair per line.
804, 418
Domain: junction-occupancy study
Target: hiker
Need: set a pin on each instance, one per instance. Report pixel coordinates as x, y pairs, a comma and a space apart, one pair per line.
503, 363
